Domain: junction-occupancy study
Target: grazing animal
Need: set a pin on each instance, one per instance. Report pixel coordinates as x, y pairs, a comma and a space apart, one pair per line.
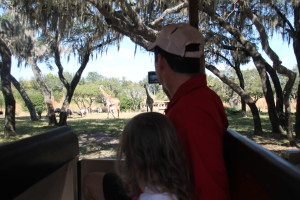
69, 112
39, 112
96, 109
57, 110
149, 100
82, 112
112, 103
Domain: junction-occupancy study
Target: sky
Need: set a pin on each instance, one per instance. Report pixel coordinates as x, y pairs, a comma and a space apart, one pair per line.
123, 63
113, 63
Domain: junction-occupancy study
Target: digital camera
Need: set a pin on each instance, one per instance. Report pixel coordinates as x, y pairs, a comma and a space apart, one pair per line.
152, 78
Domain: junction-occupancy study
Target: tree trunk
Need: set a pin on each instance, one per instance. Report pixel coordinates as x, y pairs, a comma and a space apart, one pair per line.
296, 45
63, 113
70, 91
10, 103
70, 87
256, 119
297, 123
268, 93
194, 12
242, 84
289, 127
282, 98
26, 98
45, 91
259, 63
278, 91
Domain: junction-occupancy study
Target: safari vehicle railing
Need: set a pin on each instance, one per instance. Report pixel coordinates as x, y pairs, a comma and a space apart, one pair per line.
43, 166
46, 166
257, 173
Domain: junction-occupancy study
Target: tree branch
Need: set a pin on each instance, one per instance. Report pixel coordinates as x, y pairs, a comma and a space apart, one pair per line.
283, 17
234, 3
58, 62
225, 58
234, 48
132, 14
264, 37
235, 87
269, 51
169, 11
141, 34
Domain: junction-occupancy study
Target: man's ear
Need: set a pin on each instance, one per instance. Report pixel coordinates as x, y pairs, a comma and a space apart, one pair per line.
161, 61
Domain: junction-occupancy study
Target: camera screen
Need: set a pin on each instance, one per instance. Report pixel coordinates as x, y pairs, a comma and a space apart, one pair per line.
152, 78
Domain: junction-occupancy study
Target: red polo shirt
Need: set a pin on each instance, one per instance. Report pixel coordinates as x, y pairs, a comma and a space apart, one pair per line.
199, 117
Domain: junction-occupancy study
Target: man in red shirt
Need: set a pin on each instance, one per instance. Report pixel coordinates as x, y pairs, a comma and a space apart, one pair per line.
196, 111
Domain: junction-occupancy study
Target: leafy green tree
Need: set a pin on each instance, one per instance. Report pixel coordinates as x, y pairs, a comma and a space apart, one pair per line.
134, 94
54, 84
29, 50
74, 33
218, 86
10, 31
114, 86
37, 99
252, 83
94, 77
26, 98
10, 103
262, 21
85, 95
127, 104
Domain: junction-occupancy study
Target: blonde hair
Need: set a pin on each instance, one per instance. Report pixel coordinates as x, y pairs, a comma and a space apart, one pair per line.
153, 156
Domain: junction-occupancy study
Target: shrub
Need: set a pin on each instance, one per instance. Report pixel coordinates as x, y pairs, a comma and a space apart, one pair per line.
37, 100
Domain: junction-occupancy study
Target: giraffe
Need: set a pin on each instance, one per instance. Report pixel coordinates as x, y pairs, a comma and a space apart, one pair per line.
111, 103
149, 100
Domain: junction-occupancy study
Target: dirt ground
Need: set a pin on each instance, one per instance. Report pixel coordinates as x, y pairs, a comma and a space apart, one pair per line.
272, 145
100, 144
97, 145
103, 145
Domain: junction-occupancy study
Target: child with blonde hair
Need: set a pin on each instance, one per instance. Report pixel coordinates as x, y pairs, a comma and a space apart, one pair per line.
154, 161
150, 163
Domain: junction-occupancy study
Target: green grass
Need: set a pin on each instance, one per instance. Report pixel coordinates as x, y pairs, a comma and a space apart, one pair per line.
87, 128
24, 128
98, 135
111, 126
244, 125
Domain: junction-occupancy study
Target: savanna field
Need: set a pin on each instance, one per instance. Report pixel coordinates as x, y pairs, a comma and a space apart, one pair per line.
98, 135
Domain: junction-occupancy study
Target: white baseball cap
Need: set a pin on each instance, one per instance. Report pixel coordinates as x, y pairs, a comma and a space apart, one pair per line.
175, 38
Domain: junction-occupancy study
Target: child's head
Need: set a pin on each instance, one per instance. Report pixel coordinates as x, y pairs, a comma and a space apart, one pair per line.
153, 155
